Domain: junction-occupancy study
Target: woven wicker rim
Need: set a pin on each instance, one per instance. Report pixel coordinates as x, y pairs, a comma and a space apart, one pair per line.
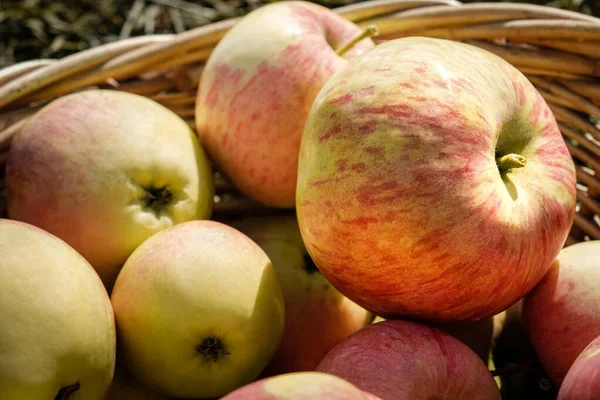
558, 50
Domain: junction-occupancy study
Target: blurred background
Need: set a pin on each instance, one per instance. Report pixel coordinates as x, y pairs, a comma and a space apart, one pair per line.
33, 29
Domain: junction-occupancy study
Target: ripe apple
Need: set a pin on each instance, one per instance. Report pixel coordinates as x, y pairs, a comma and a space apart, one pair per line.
582, 382
404, 360
257, 89
300, 386
413, 195
318, 317
103, 170
199, 310
561, 315
57, 339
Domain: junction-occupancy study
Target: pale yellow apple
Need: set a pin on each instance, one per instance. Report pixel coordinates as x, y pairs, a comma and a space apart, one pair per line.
104, 170
199, 310
57, 332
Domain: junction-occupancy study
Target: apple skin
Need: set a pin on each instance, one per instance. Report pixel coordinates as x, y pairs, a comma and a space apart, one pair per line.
404, 360
300, 386
582, 382
318, 317
81, 167
58, 328
399, 199
186, 287
561, 315
257, 89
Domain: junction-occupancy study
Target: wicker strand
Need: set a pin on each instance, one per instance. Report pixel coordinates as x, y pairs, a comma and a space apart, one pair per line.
542, 58
468, 14
68, 66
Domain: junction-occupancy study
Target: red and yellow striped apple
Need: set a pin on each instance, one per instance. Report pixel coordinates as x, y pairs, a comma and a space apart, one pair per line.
199, 310
561, 315
404, 360
257, 88
582, 382
104, 170
433, 182
300, 386
318, 317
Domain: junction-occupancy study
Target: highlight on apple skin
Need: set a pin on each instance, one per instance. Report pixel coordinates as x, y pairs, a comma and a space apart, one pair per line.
104, 170
561, 315
430, 187
300, 386
582, 382
404, 360
257, 89
318, 317
199, 310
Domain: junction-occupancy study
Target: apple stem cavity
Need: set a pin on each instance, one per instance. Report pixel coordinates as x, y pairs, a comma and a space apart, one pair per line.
212, 347
509, 161
370, 31
66, 392
157, 198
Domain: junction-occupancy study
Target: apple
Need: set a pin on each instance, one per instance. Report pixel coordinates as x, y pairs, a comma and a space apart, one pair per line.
104, 170
561, 315
257, 89
405, 360
433, 182
199, 310
57, 339
318, 317
582, 382
300, 386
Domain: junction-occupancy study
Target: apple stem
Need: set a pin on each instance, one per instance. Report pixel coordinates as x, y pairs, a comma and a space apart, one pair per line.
509, 161
370, 31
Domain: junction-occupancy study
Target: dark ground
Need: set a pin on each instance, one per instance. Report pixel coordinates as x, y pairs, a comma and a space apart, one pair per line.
33, 29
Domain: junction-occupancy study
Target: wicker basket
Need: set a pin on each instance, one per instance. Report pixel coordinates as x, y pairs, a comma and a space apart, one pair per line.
559, 51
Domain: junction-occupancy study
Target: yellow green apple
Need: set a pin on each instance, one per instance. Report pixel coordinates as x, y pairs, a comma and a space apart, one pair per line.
104, 170
199, 310
57, 338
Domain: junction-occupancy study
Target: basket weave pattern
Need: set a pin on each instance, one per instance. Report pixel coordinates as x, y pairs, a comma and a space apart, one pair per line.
559, 51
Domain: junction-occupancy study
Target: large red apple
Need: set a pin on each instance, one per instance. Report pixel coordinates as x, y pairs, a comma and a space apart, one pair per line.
561, 315
300, 386
317, 316
104, 170
433, 182
257, 89
402, 360
582, 382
